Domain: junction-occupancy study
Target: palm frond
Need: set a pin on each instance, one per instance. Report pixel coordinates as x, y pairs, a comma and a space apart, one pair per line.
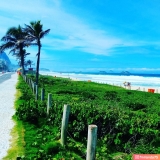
29, 29
30, 38
43, 33
8, 38
13, 51
11, 31
8, 45
27, 54
18, 32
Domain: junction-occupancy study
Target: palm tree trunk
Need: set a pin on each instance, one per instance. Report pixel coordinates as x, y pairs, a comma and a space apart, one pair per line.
22, 64
22, 60
38, 62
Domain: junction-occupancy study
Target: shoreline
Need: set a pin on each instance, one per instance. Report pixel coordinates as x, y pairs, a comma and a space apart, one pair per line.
74, 78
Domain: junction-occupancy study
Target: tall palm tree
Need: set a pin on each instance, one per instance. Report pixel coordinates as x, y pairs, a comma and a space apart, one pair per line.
15, 41
34, 34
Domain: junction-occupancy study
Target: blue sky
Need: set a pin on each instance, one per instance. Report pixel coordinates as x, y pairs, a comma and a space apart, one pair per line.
95, 35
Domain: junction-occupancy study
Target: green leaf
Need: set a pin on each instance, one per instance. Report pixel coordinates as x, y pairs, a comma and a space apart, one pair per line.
131, 131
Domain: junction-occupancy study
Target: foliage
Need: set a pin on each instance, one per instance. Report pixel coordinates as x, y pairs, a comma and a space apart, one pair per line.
128, 121
15, 41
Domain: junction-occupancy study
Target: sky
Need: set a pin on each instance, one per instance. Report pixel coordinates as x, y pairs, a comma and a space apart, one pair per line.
95, 35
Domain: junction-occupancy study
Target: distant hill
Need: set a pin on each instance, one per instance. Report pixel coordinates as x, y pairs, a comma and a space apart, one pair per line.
5, 63
4, 57
44, 69
102, 72
125, 72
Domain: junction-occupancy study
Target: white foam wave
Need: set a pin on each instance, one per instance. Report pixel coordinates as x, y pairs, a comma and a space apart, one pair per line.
111, 79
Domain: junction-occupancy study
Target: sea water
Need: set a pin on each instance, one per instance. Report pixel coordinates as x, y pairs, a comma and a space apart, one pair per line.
144, 80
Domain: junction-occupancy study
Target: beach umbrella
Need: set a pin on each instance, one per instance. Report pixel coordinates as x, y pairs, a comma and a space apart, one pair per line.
19, 69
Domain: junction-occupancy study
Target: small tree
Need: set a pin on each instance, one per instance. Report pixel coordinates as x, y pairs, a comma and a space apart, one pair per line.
29, 63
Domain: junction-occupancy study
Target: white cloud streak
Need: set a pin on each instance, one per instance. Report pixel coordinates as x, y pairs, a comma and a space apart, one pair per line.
77, 34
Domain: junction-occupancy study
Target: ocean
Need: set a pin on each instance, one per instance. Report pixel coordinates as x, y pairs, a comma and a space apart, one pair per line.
138, 80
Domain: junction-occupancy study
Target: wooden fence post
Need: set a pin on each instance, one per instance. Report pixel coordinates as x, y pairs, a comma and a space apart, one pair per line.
42, 94
91, 142
29, 83
36, 90
65, 118
34, 87
49, 102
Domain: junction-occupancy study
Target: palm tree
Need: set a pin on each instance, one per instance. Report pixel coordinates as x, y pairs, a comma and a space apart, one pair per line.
15, 41
34, 34
29, 63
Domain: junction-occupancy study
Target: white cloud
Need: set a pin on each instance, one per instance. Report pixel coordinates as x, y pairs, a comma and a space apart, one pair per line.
77, 34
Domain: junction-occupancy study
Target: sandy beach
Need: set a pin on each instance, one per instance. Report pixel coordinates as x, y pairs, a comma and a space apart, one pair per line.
7, 98
81, 77
143, 89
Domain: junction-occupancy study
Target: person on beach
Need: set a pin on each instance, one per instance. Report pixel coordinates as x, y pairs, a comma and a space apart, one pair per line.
127, 84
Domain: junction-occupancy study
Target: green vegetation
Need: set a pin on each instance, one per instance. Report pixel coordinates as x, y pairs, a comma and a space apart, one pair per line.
128, 121
18, 38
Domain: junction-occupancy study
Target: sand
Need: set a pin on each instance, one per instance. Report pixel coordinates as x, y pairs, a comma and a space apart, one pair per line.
138, 88
143, 89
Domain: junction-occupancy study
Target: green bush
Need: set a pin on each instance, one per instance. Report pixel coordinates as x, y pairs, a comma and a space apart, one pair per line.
53, 147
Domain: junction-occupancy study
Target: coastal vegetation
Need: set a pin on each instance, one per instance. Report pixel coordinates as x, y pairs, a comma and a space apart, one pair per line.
128, 121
